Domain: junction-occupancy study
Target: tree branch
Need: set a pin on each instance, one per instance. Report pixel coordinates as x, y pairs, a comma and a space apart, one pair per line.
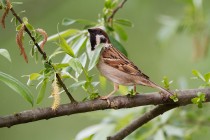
160, 109
115, 102
115, 10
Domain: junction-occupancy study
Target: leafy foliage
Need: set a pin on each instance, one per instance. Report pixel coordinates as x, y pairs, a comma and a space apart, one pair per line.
199, 99
163, 127
17, 86
167, 83
204, 78
5, 54
80, 60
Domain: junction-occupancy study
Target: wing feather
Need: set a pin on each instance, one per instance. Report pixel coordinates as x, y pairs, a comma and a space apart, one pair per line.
112, 57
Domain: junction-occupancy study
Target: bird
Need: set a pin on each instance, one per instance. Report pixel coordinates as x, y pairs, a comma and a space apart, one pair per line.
116, 67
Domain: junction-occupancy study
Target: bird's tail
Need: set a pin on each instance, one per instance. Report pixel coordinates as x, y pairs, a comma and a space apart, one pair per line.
161, 88
152, 84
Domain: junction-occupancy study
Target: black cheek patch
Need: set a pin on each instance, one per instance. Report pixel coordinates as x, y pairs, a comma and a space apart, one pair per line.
92, 48
92, 42
102, 40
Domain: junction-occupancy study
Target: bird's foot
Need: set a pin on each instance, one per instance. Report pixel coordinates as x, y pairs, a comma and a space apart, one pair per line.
165, 97
104, 97
133, 94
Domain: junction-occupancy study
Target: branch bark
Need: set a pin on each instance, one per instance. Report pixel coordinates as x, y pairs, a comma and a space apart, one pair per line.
115, 102
160, 109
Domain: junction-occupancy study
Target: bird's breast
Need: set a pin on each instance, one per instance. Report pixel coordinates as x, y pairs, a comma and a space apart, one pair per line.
114, 74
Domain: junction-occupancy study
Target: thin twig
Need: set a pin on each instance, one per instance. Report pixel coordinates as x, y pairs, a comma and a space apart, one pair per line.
141, 121
65, 88
43, 54
116, 102
115, 10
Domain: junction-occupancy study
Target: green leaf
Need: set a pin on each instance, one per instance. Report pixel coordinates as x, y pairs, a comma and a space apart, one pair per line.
124, 22
76, 85
42, 91
121, 32
108, 3
118, 45
60, 66
47, 65
94, 57
166, 82
17, 86
64, 45
198, 75
201, 97
93, 96
86, 133
30, 27
207, 77
76, 66
68, 21
194, 100
5, 54
25, 20
34, 76
83, 59
79, 44
54, 54
18, 27
174, 97
64, 34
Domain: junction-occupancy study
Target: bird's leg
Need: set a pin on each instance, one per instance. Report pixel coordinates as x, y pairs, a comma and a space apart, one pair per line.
164, 96
116, 87
134, 89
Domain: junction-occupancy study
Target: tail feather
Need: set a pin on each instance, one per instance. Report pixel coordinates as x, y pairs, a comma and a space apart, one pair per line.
152, 84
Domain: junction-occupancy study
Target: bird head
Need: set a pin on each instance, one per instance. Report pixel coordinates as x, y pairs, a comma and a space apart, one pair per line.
97, 36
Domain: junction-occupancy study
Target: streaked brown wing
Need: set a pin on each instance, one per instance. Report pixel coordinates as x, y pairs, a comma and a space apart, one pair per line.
112, 57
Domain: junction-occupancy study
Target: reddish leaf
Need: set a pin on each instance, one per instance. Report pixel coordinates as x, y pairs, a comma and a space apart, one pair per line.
19, 41
44, 34
5, 14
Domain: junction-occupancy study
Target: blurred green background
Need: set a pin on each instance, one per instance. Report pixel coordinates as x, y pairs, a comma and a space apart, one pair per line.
174, 60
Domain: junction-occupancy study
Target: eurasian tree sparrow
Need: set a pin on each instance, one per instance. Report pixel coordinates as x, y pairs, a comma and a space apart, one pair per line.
116, 67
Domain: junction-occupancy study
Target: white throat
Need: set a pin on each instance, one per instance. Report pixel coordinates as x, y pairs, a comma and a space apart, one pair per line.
98, 39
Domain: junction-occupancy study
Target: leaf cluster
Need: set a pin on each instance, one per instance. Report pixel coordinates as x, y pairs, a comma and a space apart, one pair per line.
73, 44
